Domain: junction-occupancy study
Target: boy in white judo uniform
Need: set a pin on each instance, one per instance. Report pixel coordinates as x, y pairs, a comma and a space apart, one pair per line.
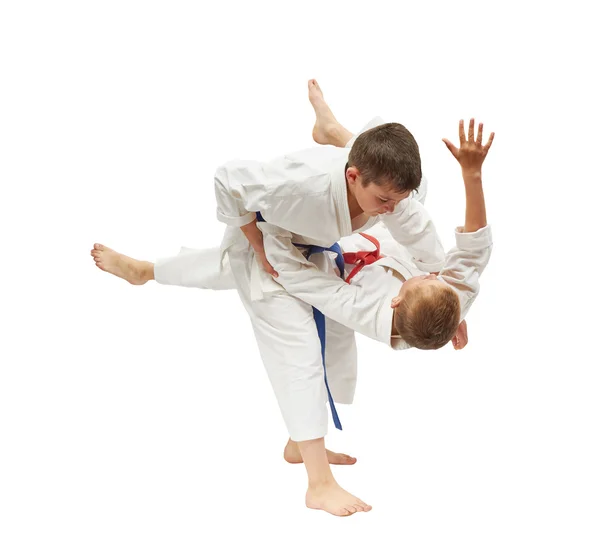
332, 498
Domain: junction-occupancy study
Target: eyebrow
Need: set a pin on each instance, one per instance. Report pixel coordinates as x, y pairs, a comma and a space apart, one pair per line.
384, 196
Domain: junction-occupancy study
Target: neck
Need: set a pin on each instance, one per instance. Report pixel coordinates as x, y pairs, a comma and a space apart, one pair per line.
355, 210
394, 330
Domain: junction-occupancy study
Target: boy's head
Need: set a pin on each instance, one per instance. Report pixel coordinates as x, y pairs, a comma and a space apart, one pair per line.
384, 167
427, 312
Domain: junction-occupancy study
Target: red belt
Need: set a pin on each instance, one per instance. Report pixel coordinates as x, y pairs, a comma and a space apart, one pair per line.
362, 258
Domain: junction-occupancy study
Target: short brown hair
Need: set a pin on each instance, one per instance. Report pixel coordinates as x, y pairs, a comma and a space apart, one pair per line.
428, 317
387, 154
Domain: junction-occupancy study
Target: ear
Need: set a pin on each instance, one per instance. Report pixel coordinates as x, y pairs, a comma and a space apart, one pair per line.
352, 174
396, 300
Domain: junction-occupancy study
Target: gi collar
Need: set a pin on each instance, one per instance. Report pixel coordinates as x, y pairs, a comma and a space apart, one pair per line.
340, 195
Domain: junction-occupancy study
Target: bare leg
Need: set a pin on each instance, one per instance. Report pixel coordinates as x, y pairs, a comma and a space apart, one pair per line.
292, 455
327, 130
133, 271
323, 492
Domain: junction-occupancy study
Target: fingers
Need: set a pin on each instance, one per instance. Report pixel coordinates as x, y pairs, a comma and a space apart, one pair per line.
451, 147
269, 268
471, 137
489, 143
461, 132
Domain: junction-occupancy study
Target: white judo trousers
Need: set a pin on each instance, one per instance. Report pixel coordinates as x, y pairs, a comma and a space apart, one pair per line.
286, 334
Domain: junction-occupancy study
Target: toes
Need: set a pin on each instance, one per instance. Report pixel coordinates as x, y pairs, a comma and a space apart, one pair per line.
345, 459
363, 505
98, 246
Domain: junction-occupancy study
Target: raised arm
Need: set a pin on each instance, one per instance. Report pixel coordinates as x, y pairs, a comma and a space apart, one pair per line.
467, 260
470, 156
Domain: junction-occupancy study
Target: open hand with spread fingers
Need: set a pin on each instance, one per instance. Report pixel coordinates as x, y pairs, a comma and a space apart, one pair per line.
471, 152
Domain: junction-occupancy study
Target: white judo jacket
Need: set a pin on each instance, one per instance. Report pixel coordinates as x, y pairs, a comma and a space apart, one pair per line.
305, 193
364, 305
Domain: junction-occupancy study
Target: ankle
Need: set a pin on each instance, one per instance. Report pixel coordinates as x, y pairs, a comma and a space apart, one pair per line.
322, 483
338, 135
146, 271
335, 135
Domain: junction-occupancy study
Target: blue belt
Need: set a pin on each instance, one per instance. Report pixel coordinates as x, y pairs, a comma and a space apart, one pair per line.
320, 318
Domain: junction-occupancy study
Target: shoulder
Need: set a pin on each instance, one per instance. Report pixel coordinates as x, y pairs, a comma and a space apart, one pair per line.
321, 158
304, 172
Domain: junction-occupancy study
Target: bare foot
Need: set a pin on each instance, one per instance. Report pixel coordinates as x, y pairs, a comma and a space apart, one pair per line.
333, 499
326, 125
291, 454
133, 271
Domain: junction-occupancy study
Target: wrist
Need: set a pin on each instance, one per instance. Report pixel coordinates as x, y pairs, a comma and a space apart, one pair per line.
471, 176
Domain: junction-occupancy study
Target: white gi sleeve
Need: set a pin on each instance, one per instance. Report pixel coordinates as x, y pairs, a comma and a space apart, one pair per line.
465, 264
237, 185
412, 227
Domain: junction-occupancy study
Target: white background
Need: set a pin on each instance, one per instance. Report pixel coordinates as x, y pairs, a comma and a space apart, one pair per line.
141, 417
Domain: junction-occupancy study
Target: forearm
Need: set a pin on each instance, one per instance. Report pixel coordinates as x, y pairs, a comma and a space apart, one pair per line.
253, 234
475, 216
301, 278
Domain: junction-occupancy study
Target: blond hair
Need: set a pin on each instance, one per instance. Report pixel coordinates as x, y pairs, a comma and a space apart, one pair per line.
428, 316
